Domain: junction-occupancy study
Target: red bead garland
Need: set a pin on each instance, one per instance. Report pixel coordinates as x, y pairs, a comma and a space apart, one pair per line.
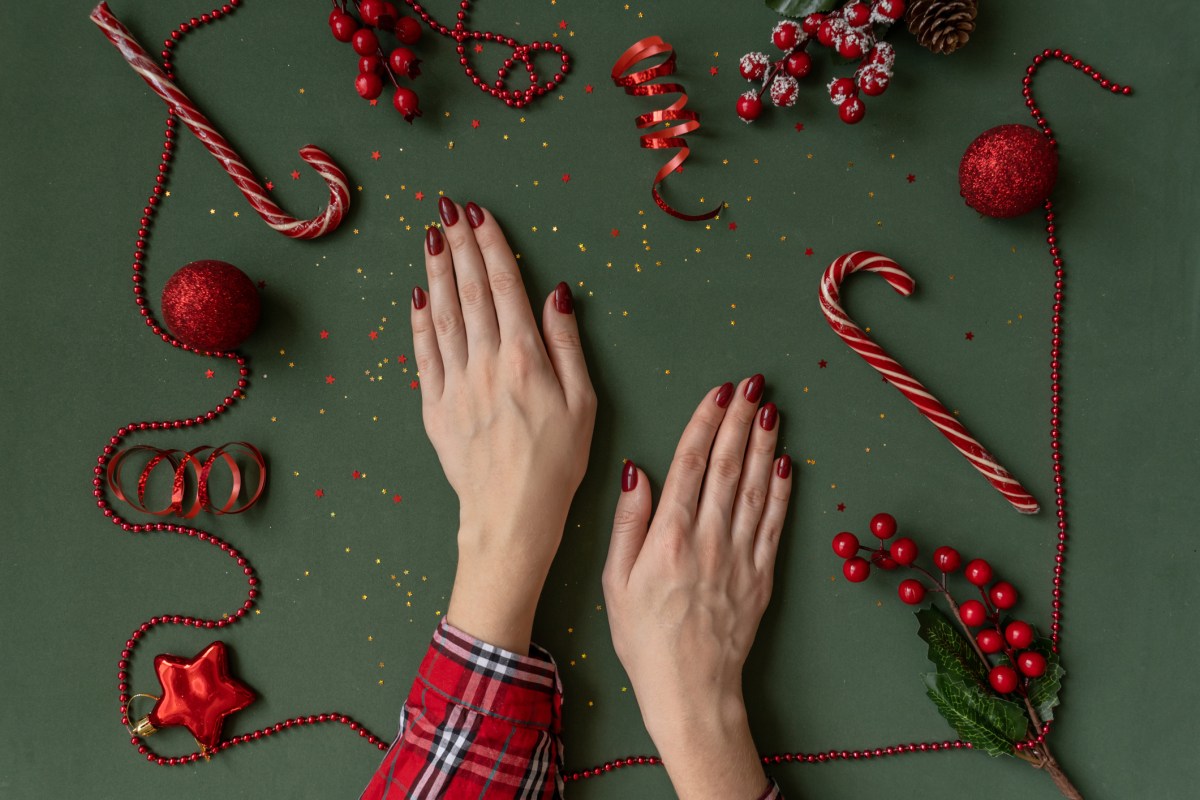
110, 449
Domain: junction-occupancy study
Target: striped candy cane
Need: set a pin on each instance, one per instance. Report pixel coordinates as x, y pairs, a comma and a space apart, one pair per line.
231, 162
910, 387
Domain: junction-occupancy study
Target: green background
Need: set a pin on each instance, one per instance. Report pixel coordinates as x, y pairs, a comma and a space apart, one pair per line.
668, 309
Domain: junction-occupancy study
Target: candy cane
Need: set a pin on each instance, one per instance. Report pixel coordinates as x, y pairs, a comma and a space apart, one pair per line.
231, 162
910, 387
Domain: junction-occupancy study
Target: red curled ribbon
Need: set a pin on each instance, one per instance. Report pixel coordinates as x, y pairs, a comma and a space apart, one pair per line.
638, 84
181, 461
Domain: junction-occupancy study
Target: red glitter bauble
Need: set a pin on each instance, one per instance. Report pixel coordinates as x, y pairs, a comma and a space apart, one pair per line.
1008, 171
210, 305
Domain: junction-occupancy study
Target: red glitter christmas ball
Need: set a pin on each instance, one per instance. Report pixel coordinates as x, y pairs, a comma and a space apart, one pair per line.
210, 305
1008, 171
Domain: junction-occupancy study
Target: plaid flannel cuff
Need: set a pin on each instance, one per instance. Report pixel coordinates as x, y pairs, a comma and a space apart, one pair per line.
772, 792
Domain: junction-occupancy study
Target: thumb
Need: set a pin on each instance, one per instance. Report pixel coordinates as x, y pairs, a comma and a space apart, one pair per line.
630, 525
560, 329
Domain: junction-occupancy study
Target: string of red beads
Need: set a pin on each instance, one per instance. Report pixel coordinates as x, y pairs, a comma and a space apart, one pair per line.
237, 393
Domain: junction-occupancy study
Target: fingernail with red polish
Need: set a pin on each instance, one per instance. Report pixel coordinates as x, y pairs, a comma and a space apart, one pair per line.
474, 215
434, 241
419, 298
628, 476
724, 395
447, 211
784, 467
768, 416
563, 300
754, 388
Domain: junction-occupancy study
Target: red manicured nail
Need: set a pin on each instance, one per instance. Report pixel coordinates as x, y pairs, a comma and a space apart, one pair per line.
563, 300
474, 215
447, 211
768, 416
434, 241
754, 388
628, 476
419, 298
784, 467
724, 395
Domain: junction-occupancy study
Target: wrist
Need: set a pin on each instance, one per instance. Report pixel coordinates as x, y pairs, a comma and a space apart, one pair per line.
712, 754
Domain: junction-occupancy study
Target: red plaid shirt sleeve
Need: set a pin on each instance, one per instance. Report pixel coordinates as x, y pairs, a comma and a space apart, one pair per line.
480, 721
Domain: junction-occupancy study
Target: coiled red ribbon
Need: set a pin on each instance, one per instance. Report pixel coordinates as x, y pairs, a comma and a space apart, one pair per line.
638, 84
181, 461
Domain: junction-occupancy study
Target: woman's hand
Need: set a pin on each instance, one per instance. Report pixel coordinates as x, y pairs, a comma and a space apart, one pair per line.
687, 590
510, 413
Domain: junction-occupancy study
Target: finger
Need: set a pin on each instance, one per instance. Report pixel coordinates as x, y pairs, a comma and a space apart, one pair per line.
560, 329
513, 312
630, 524
425, 347
443, 301
682, 486
474, 294
770, 527
729, 449
756, 476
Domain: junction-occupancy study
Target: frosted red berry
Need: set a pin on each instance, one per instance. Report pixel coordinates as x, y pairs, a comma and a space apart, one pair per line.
857, 14
343, 26
811, 23
408, 30
406, 102
911, 591
749, 106
978, 572
798, 64
1032, 664
786, 35
825, 33
889, 9
946, 559
753, 66
841, 90
989, 640
883, 526
1003, 595
364, 41
845, 544
1019, 634
852, 111
904, 551
1003, 679
973, 613
850, 46
873, 80
856, 569
368, 85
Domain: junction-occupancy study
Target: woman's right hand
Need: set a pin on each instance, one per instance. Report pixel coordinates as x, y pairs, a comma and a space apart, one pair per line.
687, 589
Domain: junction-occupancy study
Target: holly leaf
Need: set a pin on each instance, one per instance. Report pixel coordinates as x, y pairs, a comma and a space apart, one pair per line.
988, 722
800, 8
1043, 691
949, 650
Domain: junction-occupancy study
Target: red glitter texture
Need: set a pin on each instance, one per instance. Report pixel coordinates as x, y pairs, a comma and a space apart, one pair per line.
1008, 170
210, 305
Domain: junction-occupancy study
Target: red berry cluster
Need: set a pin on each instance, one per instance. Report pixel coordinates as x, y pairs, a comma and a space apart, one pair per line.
851, 32
1012, 640
360, 33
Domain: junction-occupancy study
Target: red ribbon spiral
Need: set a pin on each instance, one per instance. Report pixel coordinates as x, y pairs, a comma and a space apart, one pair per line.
181, 460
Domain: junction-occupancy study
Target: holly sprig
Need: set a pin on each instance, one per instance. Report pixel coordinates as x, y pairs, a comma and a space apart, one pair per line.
994, 679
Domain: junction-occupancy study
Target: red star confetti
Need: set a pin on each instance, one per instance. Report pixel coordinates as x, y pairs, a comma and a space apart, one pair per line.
969, 336
295, 174
329, 379
808, 251
562, 24
262, 284
822, 363
324, 334
588, 89
841, 506
375, 155
419, 195
799, 127
733, 226
270, 185
374, 102
319, 493
355, 475
474, 123
911, 178
208, 373
712, 70
478, 48
616, 232
413, 385
566, 177
403, 359
373, 335
397, 498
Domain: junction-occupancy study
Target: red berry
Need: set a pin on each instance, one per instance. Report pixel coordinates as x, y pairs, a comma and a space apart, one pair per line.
845, 544
811, 23
989, 640
1003, 679
1003, 595
946, 559
368, 85
1032, 664
753, 65
973, 613
387, 17
798, 64
408, 30
405, 62
370, 64
825, 33
904, 551
840, 90
786, 35
364, 41
333, 15
405, 101
856, 569
912, 591
1019, 634
749, 106
343, 26
978, 572
883, 526
850, 46
369, 11
852, 110
873, 80
784, 90
883, 560
857, 14
889, 9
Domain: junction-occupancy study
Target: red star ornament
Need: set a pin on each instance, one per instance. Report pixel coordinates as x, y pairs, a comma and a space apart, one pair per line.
198, 693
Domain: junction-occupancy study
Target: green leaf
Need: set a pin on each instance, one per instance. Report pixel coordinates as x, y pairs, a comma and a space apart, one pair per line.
800, 8
949, 649
988, 722
1043, 691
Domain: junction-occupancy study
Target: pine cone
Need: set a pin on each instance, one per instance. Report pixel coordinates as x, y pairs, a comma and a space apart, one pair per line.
942, 26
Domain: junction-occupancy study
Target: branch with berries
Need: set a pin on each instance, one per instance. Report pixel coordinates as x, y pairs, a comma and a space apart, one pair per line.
995, 681
362, 34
